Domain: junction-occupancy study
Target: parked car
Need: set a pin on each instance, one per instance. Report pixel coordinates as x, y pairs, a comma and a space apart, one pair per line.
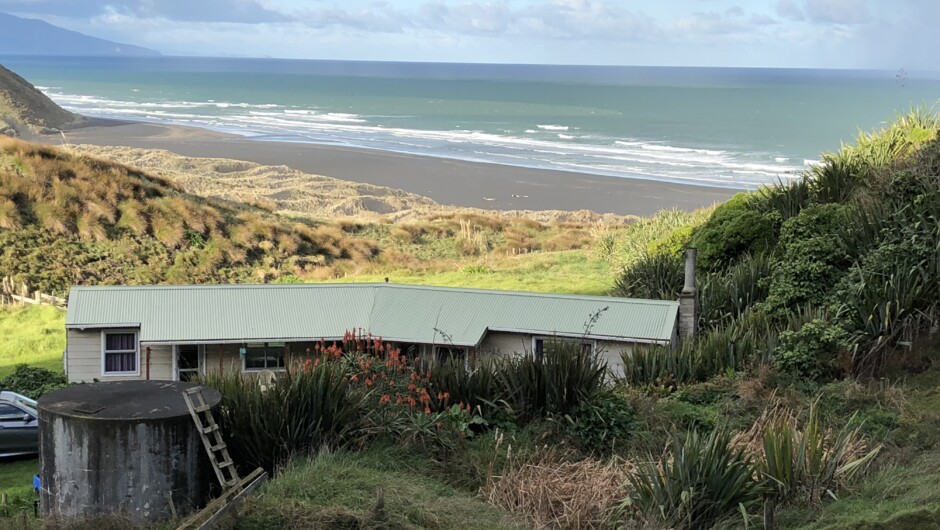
19, 427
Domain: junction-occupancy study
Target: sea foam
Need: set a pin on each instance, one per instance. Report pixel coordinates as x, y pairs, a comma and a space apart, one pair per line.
591, 152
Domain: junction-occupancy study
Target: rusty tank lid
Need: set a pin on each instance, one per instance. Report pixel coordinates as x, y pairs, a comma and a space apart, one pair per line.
123, 400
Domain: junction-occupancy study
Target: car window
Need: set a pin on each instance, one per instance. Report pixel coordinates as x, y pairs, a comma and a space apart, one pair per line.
10, 413
27, 406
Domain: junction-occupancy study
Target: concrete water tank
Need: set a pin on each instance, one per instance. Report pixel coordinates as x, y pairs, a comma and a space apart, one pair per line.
127, 448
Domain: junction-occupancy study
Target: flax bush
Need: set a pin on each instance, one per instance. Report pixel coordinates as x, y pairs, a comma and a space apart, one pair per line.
309, 409
697, 481
804, 461
556, 385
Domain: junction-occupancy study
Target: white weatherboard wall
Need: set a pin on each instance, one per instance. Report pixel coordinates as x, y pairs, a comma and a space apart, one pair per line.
506, 343
84, 359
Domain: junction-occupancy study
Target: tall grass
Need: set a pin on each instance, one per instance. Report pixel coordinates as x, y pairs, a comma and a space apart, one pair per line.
644, 236
312, 409
555, 490
751, 338
523, 387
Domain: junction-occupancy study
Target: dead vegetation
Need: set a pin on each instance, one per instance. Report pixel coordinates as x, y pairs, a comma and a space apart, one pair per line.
558, 491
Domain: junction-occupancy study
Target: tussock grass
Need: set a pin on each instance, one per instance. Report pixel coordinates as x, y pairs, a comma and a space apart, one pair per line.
99, 207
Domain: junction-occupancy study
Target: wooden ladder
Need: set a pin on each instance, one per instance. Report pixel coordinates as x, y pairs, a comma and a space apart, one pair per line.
211, 436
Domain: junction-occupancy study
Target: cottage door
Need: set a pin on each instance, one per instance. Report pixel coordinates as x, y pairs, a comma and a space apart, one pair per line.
189, 360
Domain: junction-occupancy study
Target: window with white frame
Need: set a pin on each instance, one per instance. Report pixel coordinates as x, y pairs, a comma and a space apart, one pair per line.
120, 352
544, 345
265, 356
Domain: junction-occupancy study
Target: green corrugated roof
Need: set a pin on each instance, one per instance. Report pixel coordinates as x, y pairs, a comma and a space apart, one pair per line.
407, 313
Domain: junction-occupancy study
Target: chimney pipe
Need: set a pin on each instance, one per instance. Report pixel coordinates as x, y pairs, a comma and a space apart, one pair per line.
688, 300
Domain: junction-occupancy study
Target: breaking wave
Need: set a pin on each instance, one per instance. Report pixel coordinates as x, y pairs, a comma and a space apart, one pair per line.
548, 146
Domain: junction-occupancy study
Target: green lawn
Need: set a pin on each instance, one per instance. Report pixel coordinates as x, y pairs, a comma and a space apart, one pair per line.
31, 335
569, 272
16, 480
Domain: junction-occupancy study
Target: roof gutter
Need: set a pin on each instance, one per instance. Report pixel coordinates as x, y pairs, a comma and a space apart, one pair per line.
612, 338
113, 325
289, 339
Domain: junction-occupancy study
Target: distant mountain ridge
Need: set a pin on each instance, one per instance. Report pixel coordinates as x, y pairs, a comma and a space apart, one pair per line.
27, 36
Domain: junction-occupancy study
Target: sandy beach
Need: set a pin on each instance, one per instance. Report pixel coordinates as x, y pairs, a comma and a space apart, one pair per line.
460, 183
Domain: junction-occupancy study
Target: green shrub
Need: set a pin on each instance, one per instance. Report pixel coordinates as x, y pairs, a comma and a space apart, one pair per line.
603, 423
734, 228
648, 236
32, 381
476, 386
698, 481
813, 257
685, 416
674, 243
812, 351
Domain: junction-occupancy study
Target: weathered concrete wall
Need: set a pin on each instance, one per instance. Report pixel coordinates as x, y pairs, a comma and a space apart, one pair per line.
94, 467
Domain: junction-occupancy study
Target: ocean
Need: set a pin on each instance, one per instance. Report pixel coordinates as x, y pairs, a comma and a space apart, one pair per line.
712, 126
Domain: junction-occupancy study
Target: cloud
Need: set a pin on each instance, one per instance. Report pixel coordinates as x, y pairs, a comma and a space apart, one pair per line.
556, 19
697, 26
381, 19
241, 11
847, 12
787, 9
763, 20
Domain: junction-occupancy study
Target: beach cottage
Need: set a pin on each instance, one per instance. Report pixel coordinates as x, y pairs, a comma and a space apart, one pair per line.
179, 332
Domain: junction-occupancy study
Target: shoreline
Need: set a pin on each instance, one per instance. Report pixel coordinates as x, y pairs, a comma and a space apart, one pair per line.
484, 185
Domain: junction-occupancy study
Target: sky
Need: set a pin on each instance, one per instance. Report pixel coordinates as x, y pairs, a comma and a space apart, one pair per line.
882, 34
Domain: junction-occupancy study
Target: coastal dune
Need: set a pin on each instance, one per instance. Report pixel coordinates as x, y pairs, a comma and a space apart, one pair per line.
446, 181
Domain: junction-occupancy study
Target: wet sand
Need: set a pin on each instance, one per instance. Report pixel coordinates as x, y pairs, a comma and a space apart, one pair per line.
456, 182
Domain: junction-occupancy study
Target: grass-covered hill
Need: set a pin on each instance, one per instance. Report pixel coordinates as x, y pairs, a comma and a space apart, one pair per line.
23, 108
68, 219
